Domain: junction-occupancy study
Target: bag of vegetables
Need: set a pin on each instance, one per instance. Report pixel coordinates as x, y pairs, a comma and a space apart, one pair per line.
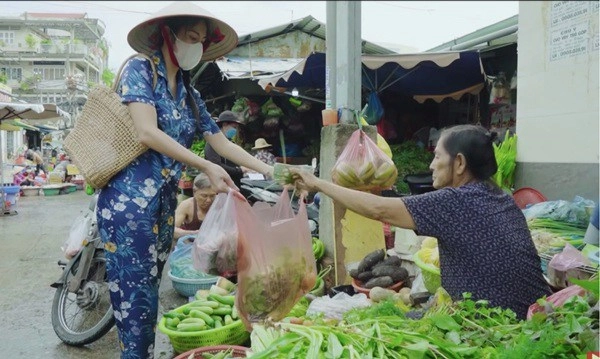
215, 246
276, 264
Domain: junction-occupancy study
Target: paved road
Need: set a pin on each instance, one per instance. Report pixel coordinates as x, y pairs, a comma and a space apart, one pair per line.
30, 243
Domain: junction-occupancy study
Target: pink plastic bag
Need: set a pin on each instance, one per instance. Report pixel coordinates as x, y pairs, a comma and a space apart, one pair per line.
276, 265
363, 166
557, 299
215, 246
569, 258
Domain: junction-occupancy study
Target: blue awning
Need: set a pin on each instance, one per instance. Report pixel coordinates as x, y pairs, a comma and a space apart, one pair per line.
422, 76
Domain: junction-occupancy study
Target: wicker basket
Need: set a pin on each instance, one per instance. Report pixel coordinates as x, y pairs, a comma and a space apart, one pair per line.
237, 352
188, 287
231, 334
432, 277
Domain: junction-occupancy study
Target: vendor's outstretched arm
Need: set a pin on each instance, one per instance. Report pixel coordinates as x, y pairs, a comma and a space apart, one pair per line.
385, 209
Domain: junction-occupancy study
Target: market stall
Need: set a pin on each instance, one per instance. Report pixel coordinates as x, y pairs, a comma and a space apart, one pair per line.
14, 112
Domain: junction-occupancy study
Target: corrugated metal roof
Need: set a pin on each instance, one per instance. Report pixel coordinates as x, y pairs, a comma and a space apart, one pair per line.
488, 30
308, 25
254, 68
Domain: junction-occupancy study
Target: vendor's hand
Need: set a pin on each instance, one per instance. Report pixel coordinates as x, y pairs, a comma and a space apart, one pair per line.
269, 174
220, 180
304, 180
245, 169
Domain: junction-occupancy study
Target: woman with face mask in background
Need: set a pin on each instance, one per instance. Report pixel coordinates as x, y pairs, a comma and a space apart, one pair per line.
136, 209
230, 127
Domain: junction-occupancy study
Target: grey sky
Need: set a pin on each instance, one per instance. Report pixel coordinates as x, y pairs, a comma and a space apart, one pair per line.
417, 24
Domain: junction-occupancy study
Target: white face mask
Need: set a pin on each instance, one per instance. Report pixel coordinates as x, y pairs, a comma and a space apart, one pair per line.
188, 55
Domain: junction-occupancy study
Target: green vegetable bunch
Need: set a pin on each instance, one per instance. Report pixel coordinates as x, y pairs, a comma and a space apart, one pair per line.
409, 158
506, 157
198, 146
465, 329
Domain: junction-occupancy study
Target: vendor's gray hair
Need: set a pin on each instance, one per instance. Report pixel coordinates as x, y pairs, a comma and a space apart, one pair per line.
202, 181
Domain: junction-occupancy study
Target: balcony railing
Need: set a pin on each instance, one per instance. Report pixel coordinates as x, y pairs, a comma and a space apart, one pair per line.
79, 50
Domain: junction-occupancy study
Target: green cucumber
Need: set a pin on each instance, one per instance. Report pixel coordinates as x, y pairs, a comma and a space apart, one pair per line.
224, 299
222, 311
204, 303
200, 314
228, 320
191, 327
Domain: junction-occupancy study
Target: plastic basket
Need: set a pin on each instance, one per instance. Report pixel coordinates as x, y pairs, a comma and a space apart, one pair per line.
237, 352
231, 334
432, 277
526, 195
189, 287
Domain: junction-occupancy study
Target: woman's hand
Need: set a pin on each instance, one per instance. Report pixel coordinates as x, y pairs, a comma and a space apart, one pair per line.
220, 180
304, 180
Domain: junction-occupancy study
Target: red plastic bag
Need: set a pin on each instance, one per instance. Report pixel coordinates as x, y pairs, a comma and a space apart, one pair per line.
215, 246
276, 265
363, 166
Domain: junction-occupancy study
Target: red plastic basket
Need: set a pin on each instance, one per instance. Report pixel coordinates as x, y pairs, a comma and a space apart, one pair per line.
527, 195
237, 352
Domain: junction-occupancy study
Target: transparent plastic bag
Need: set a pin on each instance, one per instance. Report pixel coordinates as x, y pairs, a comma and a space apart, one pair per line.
77, 235
574, 212
335, 307
363, 166
276, 265
215, 247
181, 261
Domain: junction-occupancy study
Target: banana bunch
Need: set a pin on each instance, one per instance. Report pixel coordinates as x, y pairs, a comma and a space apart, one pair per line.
366, 176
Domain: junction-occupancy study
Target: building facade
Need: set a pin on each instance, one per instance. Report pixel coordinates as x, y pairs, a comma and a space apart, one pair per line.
52, 58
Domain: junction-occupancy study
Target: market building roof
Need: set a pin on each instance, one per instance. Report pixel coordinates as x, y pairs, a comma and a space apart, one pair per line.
308, 25
496, 35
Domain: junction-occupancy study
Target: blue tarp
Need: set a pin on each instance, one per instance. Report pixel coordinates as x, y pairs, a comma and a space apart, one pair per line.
421, 76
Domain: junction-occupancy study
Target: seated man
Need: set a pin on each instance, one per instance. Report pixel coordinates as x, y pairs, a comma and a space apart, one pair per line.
191, 212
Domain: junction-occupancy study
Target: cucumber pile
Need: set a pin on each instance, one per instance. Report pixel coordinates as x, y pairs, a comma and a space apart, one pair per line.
211, 312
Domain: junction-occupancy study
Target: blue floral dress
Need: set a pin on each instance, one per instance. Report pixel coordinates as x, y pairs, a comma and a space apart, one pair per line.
136, 209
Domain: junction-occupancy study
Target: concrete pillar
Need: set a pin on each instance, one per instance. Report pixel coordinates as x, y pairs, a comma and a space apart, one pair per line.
347, 236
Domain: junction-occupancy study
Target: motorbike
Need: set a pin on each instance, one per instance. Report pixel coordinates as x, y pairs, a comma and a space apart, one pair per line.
81, 308
269, 191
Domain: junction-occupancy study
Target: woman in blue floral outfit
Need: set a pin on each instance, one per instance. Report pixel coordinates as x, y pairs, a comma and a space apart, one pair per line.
136, 209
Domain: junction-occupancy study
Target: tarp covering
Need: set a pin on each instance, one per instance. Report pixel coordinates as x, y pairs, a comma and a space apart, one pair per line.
422, 76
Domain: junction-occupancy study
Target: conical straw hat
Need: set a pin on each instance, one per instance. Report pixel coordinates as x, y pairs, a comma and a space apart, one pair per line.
145, 36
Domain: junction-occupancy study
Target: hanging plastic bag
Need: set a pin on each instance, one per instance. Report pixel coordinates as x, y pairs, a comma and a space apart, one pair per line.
276, 265
181, 260
215, 246
374, 110
363, 166
500, 91
77, 235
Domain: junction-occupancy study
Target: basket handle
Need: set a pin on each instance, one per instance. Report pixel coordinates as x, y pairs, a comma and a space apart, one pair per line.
118, 77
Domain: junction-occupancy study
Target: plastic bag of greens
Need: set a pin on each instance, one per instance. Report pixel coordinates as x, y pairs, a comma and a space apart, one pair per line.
363, 166
181, 261
215, 247
276, 264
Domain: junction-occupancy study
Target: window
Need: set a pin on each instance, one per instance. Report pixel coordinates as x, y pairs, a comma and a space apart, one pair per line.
12, 73
7, 37
50, 73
